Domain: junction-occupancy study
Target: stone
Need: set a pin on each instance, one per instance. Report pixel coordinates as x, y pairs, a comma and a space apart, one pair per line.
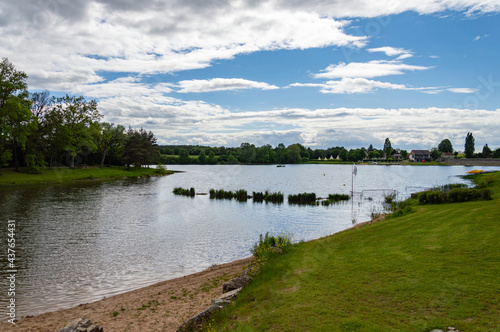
81, 325
236, 283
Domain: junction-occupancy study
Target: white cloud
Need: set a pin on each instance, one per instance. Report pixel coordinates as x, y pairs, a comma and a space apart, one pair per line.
371, 69
221, 84
461, 90
392, 51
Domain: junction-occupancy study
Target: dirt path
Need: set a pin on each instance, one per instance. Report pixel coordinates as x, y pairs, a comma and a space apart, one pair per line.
160, 307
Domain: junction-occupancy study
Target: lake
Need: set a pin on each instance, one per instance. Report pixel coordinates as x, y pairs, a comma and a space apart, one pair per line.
80, 242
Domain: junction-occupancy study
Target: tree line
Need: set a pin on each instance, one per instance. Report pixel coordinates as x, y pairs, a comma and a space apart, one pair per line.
38, 130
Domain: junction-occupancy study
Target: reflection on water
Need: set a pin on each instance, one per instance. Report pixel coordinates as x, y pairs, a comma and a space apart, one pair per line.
81, 242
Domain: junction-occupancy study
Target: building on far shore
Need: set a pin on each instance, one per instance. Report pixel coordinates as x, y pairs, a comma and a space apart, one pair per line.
420, 155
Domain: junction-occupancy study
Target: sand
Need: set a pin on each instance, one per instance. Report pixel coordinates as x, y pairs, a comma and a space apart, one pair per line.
160, 307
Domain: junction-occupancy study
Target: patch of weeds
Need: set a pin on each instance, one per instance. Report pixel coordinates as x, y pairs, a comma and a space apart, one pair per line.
115, 313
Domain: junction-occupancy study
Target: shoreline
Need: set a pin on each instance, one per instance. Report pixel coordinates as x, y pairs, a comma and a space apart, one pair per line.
162, 306
166, 304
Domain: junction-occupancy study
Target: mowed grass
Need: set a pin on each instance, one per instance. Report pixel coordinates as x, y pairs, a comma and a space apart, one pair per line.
434, 268
9, 177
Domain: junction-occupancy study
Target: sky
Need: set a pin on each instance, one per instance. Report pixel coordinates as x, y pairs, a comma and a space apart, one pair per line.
321, 73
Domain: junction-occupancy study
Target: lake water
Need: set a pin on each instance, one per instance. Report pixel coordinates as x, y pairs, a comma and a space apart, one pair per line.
77, 243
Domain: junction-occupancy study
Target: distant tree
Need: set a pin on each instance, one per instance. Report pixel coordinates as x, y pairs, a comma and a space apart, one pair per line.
232, 159
343, 154
486, 151
202, 156
370, 148
469, 146
211, 158
435, 154
445, 146
496, 153
247, 153
280, 153
184, 156
404, 154
387, 148
293, 154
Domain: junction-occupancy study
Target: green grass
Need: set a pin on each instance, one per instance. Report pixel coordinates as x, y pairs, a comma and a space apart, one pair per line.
9, 177
434, 268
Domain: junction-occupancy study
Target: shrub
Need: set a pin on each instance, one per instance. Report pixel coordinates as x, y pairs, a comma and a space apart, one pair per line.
161, 169
463, 195
269, 245
389, 198
338, 197
304, 198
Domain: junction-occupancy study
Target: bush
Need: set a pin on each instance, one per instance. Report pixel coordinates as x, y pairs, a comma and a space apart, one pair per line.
184, 192
304, 198
390, 198
257, 197
463, 195
270, 245
432, 197
161, 169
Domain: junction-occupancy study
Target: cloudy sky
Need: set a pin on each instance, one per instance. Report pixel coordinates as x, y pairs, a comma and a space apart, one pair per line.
317, 72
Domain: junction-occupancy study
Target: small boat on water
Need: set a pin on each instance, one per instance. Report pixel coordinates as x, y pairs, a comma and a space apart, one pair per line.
475, 171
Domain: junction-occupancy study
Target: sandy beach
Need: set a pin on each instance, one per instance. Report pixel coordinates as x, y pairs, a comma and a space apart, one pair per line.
160, 307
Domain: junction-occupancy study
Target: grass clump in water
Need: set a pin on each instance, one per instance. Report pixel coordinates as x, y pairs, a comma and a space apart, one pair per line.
184, 192
304, 198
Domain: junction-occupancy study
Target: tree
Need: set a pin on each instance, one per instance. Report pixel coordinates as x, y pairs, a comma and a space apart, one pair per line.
370, 148
211, 158
74, 121
109, 139
247, 153
140, 148
445, 146
15, 117
293, 154
387, 148
469, 146
184, 156
202, 156
435, 153
486, 151
496, 153
404, 154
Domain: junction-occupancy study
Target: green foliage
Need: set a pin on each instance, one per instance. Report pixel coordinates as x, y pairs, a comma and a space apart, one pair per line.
455, 195
161, 169
335, 198
220, 194
241, 195
269, 245
389, 198
469, 146
184, 192
486, 151
304, 198
387, 148
445, 146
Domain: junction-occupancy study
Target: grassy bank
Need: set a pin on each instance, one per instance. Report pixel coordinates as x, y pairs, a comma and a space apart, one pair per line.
9, 177
434, 268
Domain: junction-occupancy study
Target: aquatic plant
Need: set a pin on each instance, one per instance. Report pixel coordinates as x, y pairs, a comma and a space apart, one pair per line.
184, 192
304, 198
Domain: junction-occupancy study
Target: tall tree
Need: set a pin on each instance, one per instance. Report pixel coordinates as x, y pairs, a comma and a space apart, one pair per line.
74, 121
469, 146
486, 151
445, 146
109, 139
15, 117
387, 148
140, 148
247, 153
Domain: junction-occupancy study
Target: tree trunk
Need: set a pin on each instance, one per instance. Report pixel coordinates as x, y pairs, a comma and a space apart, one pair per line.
103, 157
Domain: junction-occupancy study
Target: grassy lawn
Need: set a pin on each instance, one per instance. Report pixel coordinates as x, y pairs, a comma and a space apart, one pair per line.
9, 177
434, 268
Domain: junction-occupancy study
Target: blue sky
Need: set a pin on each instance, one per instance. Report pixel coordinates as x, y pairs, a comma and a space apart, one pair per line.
319, 73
